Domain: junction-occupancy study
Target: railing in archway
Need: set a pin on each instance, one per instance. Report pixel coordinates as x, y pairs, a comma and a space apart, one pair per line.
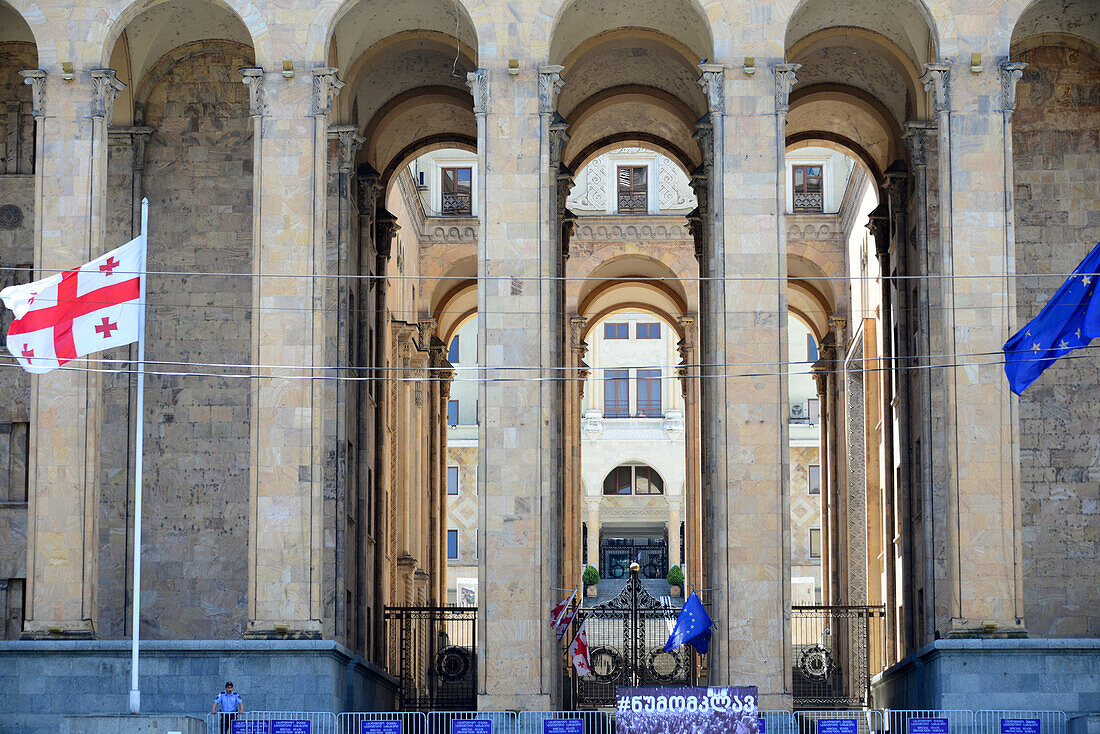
436, 657
836, 651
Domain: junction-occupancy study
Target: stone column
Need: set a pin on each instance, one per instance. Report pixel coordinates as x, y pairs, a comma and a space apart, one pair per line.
63, 466
984, 551
688, 370
444, 375
593, 509
821, 370
572, 482
285, 557
520, 327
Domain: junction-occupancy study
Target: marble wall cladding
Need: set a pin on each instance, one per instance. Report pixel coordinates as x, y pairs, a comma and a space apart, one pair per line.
198, 178
16, 120
1056, 160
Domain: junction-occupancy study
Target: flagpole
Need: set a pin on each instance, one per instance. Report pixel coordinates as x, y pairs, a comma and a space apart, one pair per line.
135, 692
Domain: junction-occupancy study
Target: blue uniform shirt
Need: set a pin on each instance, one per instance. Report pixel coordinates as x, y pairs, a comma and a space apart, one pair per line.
228, 702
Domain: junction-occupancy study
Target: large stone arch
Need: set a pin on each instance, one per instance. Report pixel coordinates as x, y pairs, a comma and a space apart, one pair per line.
793, 19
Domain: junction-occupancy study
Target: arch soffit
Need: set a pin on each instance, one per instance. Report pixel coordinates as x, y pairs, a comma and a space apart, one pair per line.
163, 66
412, 99
1064, 40
876, 43
810, 306
631, 267
607, 145
809, 322
937, 14
16, 26
421, 146
1075, 24
105, 35
863, 102
455, 308
839, 143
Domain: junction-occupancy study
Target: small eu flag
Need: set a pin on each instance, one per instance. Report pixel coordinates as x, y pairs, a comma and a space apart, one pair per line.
1069, 321
692, 626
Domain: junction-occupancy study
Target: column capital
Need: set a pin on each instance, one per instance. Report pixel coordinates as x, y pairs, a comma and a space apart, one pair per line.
105, 90
425, 332
1011, 72
253, 78
350, 142
559, 136
550, 83
784, 79
326, 85
36, 78
937, 80
915, 138
478, 82
713, 81
576, 342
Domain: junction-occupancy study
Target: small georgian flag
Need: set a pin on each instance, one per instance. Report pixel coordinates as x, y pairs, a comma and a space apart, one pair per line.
578, 651
79, 312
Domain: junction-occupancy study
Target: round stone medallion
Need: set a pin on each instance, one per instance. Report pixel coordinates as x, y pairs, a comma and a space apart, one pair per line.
11, 216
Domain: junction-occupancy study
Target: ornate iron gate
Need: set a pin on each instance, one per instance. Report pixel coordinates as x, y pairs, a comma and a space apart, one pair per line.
626, 644
836, 651
435, 657
651, 555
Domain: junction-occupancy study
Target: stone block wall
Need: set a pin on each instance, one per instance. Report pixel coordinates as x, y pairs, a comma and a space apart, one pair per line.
1056, 164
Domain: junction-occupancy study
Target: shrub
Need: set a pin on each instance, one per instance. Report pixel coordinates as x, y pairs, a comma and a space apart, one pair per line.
676, 576
591, 576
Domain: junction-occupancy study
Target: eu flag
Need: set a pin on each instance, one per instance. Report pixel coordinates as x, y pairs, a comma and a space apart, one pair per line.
692, 626
1069, 321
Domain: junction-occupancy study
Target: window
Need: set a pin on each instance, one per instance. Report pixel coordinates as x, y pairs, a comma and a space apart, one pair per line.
452, 480
452, 412
633, 192
649, 393
457, 192
452, 351
616, 331
452, 545
815, 542
649, 331
616, 394
814, 476
808, 195
632, 479
811, 349
813, 410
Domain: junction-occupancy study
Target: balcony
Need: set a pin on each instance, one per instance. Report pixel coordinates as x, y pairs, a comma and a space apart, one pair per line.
633, 203
456, 205
809, 201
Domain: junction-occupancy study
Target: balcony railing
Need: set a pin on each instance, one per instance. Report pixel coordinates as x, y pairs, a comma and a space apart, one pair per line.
456, 205
808, 201
634, 203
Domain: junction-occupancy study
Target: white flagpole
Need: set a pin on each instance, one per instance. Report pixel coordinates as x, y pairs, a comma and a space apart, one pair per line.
135, 692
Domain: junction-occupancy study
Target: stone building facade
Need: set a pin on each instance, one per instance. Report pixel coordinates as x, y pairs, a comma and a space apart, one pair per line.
301, 299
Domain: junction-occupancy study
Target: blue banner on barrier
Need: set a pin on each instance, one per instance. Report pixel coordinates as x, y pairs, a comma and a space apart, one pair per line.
563, 726
761, 726
928, 726
837, 726
1020, 726
290, 726
471, 726
381, 726
249, 727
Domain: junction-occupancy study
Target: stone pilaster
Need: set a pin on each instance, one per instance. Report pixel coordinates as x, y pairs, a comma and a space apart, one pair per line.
285, 564
520, 327
688, 372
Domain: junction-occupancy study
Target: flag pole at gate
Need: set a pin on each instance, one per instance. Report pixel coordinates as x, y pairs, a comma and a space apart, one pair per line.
135, 691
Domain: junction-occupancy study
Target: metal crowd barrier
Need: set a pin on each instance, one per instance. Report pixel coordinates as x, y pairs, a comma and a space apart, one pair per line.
776, 722
566, 722
382, 722
929, 721
273, 722
868, 721
472, 722
1020, 722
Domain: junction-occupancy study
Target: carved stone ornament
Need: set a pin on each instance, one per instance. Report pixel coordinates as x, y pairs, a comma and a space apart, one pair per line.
550, 83
713, 82
426, 330
478, 82
11, 216
350, 142
1011, 72
914, 136
559, 136
253, 78
36, 78
326, 85
105, 90
576, 343
937, 80
704, 136
784, 79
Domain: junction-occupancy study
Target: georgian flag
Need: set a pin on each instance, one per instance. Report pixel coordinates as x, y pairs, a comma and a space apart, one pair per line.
578, 651
79, 312
560, 618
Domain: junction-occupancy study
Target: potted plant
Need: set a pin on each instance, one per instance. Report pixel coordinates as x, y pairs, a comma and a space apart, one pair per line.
590, 578
675, 581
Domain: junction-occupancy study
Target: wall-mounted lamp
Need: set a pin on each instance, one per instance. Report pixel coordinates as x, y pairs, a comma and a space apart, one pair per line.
288, 69
67, 71
976, 63
513, 66
750, 65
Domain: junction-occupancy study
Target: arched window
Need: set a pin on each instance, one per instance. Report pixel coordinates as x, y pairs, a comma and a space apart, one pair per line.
633, 479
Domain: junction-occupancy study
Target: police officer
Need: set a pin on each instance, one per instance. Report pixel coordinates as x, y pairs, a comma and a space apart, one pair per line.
228, 704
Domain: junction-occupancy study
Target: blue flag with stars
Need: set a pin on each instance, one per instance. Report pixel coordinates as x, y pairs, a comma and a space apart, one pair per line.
692, 626
1069, 321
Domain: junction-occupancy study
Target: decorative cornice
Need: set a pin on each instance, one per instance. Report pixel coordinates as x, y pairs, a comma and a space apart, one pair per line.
36, 78
784, 79
1011, 72
326, 85
478, 82
713, 81
612, 228
937, 80
550, 83
350, 142
105, 90
814, 227
253, 78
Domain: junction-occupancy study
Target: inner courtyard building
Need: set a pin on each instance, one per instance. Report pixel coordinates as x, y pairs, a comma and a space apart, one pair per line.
450, 300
